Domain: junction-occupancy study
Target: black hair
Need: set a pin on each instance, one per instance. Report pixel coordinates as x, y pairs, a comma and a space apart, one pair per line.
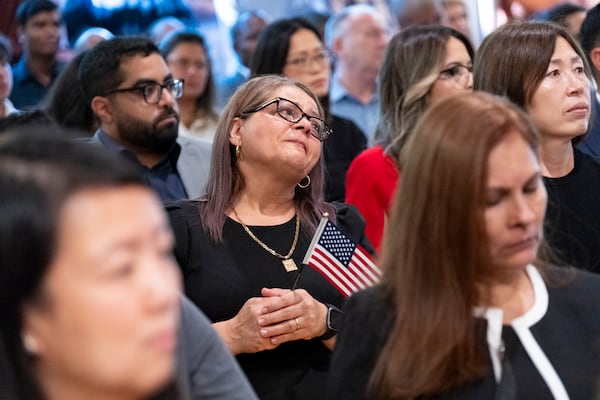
172, 40
589, 35
100, 68
37, 119
273, 46
559, 14
65, 101
29, 8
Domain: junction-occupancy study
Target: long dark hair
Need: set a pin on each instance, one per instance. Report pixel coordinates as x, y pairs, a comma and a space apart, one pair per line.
66, 103
273, 46
205, 102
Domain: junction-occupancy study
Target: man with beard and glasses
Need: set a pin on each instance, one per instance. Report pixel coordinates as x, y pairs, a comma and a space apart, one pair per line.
133, 95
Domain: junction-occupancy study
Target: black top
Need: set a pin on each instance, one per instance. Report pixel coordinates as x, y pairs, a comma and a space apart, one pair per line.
567, 331
341, 147
220, 277
572, 225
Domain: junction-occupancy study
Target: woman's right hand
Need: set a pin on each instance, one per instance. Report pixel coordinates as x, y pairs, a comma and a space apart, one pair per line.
241, 333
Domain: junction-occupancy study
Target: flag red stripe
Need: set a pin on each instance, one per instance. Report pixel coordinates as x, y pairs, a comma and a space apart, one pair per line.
368, 263
368, 267
355, 268
332, 278
336, 267
358, 283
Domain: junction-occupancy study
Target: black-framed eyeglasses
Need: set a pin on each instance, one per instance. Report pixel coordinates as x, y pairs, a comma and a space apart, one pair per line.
152, 91
291, 112
456, 72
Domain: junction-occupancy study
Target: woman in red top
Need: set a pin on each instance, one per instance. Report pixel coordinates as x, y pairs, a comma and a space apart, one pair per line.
422, 65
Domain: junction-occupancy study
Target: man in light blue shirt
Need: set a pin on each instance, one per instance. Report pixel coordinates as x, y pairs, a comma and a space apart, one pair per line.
357, 36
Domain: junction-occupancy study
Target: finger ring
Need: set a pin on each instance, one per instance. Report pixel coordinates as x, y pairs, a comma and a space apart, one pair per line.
297, 323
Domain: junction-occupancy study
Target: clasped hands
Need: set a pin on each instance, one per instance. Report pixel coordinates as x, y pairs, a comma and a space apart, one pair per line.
280, 316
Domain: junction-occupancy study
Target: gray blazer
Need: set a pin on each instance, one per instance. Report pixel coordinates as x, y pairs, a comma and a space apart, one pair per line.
193, 164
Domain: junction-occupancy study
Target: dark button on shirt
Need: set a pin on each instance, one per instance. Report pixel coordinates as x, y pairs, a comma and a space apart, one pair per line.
163, 177
28, 92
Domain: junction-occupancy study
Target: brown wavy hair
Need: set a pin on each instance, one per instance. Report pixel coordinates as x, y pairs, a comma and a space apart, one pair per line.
411, 65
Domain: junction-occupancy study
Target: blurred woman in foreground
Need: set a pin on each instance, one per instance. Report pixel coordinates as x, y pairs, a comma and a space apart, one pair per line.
89, 291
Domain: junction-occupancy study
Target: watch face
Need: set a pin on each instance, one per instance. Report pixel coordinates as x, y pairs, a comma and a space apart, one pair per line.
333, 318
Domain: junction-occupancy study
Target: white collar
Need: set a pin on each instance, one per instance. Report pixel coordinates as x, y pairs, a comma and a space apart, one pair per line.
521, 326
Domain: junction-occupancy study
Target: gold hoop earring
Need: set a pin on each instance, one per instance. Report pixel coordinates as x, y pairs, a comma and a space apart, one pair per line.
307, 184
237, 152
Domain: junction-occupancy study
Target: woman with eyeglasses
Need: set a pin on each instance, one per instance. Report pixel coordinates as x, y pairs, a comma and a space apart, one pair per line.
242, 245
423, 65
541, 68
294, 48
187, 57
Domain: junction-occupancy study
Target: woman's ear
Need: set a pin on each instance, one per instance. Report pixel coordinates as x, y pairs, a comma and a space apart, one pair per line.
595, 58
33, 330
236, 132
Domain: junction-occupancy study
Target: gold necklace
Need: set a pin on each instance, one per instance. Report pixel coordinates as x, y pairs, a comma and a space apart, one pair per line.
288, 262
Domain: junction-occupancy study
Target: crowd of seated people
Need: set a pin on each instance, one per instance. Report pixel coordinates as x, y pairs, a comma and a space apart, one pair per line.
158, 211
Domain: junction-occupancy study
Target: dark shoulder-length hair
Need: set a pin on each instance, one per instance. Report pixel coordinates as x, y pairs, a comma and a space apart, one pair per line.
436, 249
65, 101
205, 102
411, 65
273, 46
225, 181
513, 60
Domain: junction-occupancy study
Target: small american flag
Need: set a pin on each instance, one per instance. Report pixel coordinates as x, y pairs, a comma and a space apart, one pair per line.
342, 262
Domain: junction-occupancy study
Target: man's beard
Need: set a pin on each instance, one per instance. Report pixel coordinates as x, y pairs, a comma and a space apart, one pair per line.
149, 137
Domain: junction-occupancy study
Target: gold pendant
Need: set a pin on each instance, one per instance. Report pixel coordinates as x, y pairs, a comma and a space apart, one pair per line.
289, 265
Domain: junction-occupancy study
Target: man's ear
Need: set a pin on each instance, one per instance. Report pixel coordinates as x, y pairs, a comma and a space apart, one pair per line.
337, 45
102, 109
595, 59
235, 134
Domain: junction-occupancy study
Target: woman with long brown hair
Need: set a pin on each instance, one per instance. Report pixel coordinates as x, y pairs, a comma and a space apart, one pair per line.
466, 309
422, 65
